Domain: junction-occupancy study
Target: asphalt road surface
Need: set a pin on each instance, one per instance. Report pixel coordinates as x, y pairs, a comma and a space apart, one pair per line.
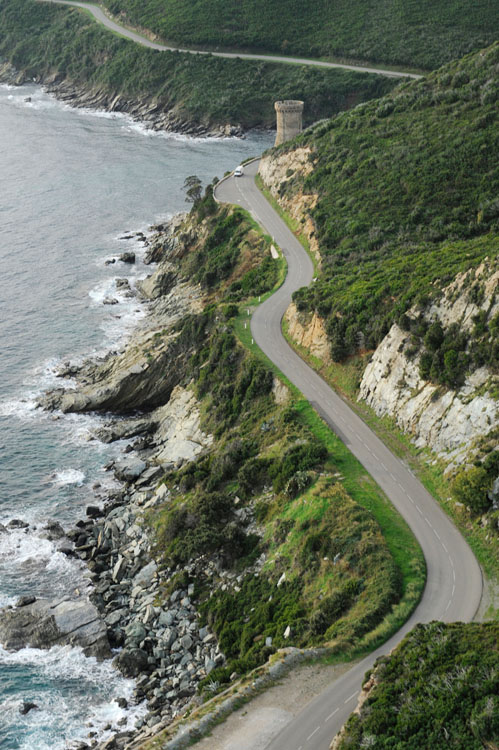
100, 16
454, 582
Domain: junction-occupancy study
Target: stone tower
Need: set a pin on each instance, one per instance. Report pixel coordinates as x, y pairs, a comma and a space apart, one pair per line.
289, 123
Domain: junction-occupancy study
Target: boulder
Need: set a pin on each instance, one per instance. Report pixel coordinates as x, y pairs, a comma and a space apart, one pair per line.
145, 576
129, 468
53, 531
16, 523
132, 662
44, 623
127, 257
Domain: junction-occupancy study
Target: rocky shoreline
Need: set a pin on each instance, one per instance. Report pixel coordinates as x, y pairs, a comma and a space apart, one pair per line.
135, 606
149, 111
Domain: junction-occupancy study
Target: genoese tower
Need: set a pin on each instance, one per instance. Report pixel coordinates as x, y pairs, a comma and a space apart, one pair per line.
289, 119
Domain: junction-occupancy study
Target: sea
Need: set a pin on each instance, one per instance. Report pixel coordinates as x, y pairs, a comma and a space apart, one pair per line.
73, 183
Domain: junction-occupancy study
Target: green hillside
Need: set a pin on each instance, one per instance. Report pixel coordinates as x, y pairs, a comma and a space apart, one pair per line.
423, 33
42, 41
438, 689
407, 197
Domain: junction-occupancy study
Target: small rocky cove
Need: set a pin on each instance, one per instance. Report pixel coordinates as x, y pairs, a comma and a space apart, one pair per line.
134, 610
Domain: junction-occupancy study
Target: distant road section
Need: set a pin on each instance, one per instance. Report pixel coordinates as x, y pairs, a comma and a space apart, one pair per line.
100, 16
454, 582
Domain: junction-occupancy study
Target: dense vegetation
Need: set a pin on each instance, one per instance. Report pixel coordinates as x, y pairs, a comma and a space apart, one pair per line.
407, 197
427, 33
44, 40
438, 689
270, 485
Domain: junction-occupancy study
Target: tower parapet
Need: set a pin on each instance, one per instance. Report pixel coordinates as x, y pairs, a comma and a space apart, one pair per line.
289, 119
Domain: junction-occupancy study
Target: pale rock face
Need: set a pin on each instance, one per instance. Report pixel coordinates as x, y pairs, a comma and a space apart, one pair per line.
280, 391
277, 169
179, 427
309, 331
447, 421
454, 306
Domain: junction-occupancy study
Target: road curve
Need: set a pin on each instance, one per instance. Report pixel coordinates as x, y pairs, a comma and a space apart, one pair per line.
100, 16
454, 581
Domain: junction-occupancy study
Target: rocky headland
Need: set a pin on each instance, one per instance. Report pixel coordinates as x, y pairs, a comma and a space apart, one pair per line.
146, 109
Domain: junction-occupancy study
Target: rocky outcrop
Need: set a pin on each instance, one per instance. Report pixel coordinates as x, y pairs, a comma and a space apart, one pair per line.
449, 421
42, 624
179, 430
144, 374
309, 331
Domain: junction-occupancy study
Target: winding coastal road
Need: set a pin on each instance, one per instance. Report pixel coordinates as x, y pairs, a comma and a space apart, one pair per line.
454, 581
100, 16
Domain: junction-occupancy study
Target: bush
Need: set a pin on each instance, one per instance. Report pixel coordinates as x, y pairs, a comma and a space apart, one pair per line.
471, 487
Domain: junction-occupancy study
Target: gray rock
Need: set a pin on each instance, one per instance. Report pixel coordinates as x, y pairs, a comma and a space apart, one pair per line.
43, 624
145, 576
165, 619
129, 468
135, 632
132, 662
117, 616
209, 665
127, 257
119, 569
53, 531
16, 523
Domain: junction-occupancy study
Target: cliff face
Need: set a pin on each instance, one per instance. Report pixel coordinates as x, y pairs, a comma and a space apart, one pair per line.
450, 421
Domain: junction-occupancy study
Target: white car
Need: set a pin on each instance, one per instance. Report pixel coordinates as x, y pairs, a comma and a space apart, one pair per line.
238, 172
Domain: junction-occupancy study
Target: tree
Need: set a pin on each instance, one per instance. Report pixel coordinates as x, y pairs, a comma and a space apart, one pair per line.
192, 187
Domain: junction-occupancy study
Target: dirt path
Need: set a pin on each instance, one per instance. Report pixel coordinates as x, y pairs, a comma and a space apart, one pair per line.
254, 725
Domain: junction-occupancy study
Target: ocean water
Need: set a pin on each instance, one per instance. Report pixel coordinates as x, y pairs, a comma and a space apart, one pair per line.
71, 184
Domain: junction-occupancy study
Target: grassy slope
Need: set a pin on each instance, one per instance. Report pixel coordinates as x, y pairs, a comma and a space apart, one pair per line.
438, 689
426, 34
312, 500
41, 40
407, 192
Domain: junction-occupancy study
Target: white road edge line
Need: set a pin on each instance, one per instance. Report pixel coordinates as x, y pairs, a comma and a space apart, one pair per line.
354, 695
